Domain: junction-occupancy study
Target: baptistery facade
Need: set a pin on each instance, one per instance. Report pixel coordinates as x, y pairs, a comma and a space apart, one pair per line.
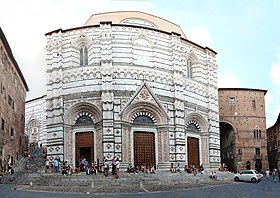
131, 85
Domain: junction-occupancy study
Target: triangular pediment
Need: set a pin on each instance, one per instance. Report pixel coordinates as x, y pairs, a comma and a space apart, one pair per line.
143, 95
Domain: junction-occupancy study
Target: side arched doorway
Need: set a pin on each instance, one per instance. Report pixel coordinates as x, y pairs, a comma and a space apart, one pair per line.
228, 147
193, 144
193, 151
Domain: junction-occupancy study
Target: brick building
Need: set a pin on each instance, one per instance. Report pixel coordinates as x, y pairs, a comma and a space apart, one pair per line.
243, 128
13, 90
273, 145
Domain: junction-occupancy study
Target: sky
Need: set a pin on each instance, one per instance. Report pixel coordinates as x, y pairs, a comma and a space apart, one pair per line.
244, 33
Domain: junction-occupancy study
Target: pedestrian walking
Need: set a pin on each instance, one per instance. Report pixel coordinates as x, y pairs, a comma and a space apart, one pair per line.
117, 168
267, 172
114, 165
274, 172
55, 164
106, 168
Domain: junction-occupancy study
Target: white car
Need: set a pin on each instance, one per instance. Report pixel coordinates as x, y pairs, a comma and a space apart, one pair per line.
248, 175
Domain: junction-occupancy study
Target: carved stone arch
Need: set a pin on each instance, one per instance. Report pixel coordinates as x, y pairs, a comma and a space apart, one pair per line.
190, 55
33, 127
82, 40
33, 122
144, 113
142, 37
198, 121
142, 108
80, 109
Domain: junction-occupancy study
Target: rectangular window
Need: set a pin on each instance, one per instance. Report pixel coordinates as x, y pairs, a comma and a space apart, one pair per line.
258, 151
12, 133
278, 142
231, 102
3, 125
189, 68
253, 104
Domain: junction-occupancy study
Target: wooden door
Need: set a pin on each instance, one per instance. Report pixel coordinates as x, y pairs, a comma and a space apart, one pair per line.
84, 146
144, 149
193, 151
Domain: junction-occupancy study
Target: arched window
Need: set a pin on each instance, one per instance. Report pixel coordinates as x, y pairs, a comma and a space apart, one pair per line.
253, 104
142, 119
84, 119
189, 68
138, 22
192, 127
83, 56
34, 131
257, 134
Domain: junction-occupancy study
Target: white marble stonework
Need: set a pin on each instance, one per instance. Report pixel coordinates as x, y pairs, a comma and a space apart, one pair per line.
123, 66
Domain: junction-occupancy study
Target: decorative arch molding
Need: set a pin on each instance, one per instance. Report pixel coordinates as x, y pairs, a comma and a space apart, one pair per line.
144, 108
197, 120
80, 109
190, 55
142, 37
194, 123
81, 40
34, 122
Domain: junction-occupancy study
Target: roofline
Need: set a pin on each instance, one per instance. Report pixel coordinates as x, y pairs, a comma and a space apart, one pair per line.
242, 89
10, 54
126, 25
136, 11
33, 99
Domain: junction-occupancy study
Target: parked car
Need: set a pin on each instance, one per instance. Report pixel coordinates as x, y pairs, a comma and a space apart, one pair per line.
248, 175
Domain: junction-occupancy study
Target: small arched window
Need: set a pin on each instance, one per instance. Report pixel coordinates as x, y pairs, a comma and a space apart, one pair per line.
253, 104
189, 68
192, 127
83, 56
84, 119
142, 119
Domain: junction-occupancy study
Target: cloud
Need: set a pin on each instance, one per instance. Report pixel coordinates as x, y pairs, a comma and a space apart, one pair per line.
228, 80
199, 35
275, 70
268, 99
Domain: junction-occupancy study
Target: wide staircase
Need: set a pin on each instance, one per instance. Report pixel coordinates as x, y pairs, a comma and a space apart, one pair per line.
31, 174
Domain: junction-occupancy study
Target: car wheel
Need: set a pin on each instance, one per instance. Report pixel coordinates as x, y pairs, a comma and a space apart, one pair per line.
236, 179
253, 180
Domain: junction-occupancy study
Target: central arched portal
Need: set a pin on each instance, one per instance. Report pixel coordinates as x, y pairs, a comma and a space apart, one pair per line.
84, 140
144, 142
144, 149
84, 146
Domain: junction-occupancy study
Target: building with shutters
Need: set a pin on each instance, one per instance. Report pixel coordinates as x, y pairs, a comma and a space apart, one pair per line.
243, 128
131, 85
13, 88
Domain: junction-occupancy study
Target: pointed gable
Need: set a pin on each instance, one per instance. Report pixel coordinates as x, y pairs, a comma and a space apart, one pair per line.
144, 94
145, 97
